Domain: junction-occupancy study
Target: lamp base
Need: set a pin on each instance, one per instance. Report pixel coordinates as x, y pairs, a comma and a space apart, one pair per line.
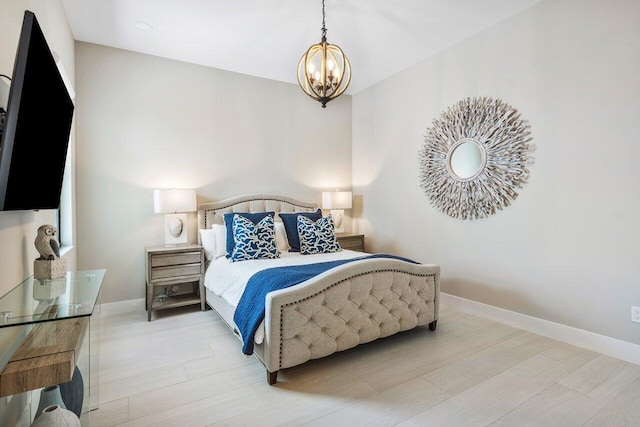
175, 229
338, 219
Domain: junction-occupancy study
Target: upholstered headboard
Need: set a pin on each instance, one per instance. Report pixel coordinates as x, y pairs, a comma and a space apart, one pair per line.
212, 212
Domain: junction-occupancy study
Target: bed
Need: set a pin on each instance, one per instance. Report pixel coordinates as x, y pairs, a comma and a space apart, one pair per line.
361, 298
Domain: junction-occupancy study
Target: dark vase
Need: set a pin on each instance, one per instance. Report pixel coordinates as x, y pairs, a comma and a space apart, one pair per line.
73, 393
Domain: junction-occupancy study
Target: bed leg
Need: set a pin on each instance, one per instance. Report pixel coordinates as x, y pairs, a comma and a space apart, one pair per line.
432, 325
272, 377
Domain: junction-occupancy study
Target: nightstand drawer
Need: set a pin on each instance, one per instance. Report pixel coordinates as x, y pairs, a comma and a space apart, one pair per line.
354, 242
175, 271
160, 260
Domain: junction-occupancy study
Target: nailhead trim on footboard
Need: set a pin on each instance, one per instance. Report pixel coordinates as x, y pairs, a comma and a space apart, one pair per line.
374, 307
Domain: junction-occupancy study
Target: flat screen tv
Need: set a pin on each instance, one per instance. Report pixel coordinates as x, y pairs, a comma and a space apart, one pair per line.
34, 143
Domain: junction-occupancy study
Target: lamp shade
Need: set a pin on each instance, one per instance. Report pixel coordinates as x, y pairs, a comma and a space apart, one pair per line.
174, 200
336, 200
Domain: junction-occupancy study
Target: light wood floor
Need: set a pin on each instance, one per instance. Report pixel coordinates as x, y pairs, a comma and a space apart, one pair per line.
185, 368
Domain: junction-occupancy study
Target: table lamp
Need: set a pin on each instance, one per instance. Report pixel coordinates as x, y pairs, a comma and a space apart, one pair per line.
174, 203
337, 201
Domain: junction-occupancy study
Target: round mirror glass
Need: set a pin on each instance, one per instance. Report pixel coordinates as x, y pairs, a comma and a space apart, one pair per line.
466, 159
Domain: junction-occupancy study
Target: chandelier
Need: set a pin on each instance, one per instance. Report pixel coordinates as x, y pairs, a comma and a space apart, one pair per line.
324, 71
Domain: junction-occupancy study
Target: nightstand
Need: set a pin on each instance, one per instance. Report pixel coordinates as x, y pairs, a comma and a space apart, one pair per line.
174, 265
354, 242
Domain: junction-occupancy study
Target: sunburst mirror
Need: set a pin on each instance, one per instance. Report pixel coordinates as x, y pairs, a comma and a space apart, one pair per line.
474, 157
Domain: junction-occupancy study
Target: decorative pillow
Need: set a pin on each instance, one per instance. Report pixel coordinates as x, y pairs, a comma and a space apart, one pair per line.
281, 238
253, 241
290, 221
208, 242
317, 237
228, 221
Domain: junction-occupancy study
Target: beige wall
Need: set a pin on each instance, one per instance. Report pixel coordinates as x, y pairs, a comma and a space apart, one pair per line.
567, 249
145, 122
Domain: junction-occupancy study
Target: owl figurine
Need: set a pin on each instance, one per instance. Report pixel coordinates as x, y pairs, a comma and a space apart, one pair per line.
46, 244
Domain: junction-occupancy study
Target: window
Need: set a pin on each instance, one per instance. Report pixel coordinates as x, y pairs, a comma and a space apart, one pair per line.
64, 214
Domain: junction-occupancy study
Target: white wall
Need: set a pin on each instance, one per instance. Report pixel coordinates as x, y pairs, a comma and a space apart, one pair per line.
145, 122
567, 249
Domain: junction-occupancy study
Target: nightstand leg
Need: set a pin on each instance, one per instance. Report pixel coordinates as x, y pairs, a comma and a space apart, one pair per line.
149, 301
201, 292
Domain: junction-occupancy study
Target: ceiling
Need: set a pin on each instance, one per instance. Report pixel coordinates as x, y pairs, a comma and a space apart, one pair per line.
266, 38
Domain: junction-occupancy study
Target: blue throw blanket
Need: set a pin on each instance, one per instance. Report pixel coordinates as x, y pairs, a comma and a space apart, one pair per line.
250, 311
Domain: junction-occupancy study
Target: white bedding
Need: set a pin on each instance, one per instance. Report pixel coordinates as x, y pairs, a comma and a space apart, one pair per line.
228, 279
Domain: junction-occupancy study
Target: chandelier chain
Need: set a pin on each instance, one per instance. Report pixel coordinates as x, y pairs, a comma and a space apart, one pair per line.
324, 29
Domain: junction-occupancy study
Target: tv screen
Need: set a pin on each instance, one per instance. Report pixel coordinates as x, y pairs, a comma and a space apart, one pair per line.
34, 144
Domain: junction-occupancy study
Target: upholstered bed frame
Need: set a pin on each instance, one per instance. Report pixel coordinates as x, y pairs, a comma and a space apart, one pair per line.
349, 305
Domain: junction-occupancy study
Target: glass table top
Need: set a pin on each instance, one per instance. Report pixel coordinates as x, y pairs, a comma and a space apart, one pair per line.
33, 300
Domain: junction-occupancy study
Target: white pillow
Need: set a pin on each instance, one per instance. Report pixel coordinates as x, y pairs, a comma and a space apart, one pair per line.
214, 241
282, 244
208, 242
221, 240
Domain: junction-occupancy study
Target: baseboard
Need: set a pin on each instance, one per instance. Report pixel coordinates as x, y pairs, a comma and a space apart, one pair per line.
119, 307
599, 343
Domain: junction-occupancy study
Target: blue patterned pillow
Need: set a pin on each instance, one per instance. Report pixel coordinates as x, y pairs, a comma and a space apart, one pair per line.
317, 237
290, 221
253, 241
228, 222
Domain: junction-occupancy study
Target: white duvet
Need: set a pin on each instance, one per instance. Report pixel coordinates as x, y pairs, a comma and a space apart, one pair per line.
228, 279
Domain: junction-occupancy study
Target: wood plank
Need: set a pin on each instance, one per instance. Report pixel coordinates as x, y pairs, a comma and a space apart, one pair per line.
53, 337
457, 376
29, 374
47, 356
549, 409
623, 410
490, 400
387, 408
602, 378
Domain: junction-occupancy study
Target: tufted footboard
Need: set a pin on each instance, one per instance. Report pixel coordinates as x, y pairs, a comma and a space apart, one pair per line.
349, 305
